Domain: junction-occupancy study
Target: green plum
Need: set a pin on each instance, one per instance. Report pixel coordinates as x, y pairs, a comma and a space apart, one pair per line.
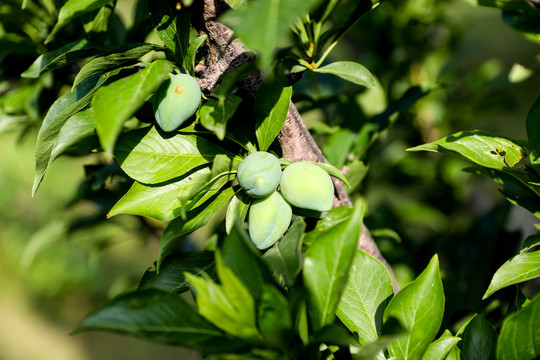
308, 188
176, 100
259, 174
268, 220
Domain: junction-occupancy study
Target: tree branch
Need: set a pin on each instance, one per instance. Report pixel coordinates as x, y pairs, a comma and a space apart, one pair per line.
225, 54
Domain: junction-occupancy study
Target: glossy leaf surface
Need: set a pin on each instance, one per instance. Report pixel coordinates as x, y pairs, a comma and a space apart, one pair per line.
519, 338
522, 267
116, 103
419, 308
151, 157
326, 266
366, 294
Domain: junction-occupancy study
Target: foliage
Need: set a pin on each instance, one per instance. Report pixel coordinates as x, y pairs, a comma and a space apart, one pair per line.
86, 85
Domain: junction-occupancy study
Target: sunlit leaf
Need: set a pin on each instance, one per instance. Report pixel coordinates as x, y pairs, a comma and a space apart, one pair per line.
481, 147
229, 305
419, 308
159, 201
59, 112
150, 156
271, 107
76, 128
519, 338
366, 294
116, 103
440, 348
349, 71
326, 266
237, 210
522, 267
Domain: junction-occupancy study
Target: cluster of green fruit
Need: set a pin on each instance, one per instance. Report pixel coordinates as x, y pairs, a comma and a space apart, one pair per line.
304, 188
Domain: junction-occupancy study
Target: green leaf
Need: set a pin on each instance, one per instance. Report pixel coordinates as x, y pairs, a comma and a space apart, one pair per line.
113, 60
188, 62
171, 273
172, 26
367, 292
67, 54
481, 147
223, 170
215, 113
440, 348
333, 218
237, 210
72, 9
241, 256
264, 25
349, 71
271, 107
179, 228
59, 113
522, 267
326, 266
229, 306
77, 127
160, 316
151, 157
479, 339
519, 338
419, 308
285, 257
159, 201
116, 103
235, 4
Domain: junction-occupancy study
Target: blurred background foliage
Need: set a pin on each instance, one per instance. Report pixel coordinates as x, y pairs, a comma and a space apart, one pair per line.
59, 258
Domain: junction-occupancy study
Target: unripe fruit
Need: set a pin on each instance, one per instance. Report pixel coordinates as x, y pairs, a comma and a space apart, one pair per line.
176, 100
268, 220
259, 174
307, 186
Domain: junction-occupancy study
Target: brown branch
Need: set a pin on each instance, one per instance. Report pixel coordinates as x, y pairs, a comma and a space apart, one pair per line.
225, 54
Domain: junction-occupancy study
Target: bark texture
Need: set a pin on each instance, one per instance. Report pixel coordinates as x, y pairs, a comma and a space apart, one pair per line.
225, 54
